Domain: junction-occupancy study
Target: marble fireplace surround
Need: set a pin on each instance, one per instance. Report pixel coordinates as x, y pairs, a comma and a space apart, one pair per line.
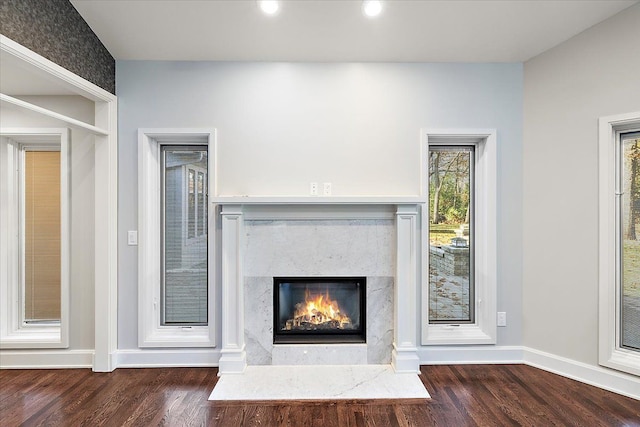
247, 268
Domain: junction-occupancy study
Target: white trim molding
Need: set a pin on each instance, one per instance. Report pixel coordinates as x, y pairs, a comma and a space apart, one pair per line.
48, 69
607, 379
404, 357
470, 355
150, 331
405, 321
14, 332
611, 353
483, 330
168, 358
46, 359
317, 200
234, 356
45, 112
106, 196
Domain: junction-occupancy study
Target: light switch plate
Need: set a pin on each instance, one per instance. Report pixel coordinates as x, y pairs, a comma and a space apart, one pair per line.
502, 318
132, 238
327, 189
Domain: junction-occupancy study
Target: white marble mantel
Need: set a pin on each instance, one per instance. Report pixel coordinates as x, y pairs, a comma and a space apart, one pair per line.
236, 210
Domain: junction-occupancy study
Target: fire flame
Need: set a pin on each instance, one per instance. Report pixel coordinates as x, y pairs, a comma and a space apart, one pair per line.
319, 309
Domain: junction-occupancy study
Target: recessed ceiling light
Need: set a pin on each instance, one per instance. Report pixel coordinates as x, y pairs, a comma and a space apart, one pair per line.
270, 7
371, 8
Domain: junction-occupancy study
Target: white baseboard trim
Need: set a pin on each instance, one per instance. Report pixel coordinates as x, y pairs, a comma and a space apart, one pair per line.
46, 359
167, 358
607, 379
604, 378
466, 355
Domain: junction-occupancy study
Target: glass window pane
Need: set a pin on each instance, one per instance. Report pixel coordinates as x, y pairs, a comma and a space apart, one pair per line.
630, 209
451, 288
191, 205
184, 253
42, 260
201, 205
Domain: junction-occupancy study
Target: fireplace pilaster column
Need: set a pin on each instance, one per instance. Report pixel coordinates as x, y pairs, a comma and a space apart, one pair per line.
405, 352
233, 359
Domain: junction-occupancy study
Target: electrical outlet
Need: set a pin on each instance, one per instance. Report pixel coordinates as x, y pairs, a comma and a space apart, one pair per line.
132, 238
313, 189
502, 318
327, 189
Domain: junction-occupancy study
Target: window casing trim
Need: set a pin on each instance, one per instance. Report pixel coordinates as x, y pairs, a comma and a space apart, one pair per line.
151, 333
610, 352
483, 330
15, 333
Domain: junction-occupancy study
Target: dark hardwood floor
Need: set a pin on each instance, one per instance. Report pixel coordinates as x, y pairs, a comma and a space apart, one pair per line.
462, 395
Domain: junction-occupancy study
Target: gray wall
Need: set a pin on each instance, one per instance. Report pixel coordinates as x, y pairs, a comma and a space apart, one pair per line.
283, 125
55, 30
566, 90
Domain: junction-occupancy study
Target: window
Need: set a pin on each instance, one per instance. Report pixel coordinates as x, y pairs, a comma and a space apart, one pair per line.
184, 240
619, 322
459, 223
196, 203
451, 279
35, 239
175, 293
628, 163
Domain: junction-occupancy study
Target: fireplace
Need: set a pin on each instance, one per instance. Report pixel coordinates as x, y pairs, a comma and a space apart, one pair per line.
319, 310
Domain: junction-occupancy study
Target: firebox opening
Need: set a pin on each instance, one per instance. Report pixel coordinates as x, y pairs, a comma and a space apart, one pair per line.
319, 310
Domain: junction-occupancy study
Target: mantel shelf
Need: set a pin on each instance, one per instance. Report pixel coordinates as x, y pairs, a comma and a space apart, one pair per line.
318, 200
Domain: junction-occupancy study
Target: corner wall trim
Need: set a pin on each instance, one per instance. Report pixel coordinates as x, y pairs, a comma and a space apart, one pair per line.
48, 359
604, 378
607, 379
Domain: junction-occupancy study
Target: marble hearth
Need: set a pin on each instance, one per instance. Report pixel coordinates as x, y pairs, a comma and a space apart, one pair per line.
261, 241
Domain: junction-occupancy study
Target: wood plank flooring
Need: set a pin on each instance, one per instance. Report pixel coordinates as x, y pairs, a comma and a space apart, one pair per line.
462, 395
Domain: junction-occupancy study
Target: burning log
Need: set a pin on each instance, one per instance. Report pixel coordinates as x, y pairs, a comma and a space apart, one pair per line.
318, 312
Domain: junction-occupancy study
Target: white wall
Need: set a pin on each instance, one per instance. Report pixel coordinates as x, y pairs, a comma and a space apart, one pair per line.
566, 89
283, 125
81, 325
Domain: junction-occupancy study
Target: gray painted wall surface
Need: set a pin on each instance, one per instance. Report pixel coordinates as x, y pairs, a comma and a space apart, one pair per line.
283, 125
566, 90
55, 30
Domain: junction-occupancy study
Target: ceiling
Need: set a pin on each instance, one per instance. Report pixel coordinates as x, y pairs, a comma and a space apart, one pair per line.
336, 30
322, 31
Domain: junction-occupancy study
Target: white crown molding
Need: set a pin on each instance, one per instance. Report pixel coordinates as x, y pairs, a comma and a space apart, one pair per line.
71, 81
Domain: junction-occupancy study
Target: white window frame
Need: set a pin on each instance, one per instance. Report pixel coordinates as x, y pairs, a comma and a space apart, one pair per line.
611, 354
196, 170
14, 332
483, 330
151, 333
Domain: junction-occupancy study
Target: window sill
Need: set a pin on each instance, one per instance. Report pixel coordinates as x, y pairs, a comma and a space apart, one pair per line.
177, 336
623, 360
457, 335
34, 337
